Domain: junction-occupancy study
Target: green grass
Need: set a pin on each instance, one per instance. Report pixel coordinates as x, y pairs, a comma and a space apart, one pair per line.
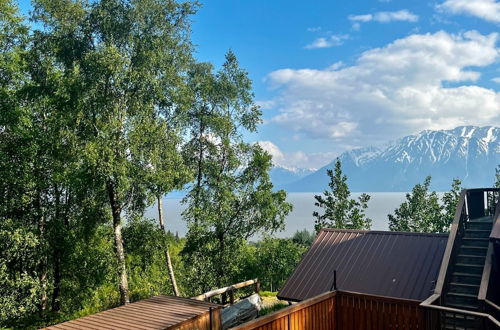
271, 309
267, 293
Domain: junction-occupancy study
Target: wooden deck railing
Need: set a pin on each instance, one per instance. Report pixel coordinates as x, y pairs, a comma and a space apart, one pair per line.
228, 290
315, 313
360, 311
343, 310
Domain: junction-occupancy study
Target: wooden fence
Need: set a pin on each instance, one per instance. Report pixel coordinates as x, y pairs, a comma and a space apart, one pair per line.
359, 311
315, 313
343, 310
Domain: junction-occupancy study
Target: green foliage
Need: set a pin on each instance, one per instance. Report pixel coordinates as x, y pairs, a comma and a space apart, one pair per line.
271, 260
340, 211
264, 293
272, 309
303, 237
232, 197
19, 285
422, 211
450, 200
144, 243
118, 67
102, 111
277, 259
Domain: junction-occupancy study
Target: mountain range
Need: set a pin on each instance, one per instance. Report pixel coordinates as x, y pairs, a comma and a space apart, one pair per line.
469, 153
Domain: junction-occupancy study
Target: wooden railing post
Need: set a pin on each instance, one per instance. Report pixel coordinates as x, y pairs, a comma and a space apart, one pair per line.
210, 311
257, 287
224, 298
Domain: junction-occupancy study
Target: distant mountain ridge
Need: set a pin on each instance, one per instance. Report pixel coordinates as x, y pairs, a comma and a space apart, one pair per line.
282, 175
469, 153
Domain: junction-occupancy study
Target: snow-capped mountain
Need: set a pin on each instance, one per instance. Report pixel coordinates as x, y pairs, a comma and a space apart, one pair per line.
469, 153
281, 175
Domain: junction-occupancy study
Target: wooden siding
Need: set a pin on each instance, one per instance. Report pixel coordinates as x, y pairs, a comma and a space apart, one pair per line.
202, 322
359, 311
343, 310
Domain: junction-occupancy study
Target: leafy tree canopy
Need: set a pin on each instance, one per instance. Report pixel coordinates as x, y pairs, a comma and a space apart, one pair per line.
341, 211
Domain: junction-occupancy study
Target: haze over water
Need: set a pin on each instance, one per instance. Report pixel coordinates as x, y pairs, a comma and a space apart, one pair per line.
380, 204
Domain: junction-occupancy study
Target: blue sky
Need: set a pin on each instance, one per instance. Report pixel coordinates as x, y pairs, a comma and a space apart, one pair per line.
332, 75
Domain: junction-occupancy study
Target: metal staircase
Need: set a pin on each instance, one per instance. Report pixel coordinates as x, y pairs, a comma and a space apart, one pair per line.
456, 302
462, 288
467, 267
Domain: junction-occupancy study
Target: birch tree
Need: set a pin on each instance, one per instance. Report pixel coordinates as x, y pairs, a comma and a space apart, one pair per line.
232, 197
127, 59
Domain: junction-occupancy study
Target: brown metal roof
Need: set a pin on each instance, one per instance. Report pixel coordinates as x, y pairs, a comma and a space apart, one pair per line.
392, 264
160, 312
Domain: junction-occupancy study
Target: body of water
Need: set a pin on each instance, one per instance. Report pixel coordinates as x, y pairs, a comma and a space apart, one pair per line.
380, 204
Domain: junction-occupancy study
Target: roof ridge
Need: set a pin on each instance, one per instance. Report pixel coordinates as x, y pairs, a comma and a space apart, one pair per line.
384, 232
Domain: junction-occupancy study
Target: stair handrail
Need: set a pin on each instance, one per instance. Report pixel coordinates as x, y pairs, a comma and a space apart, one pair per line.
459, 311
485, 279
496, 219
454, 230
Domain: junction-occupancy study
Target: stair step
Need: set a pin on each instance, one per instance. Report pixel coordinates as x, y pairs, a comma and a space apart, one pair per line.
463, 299
475, 241
471, 259
478, 225
466, 274
482, 219
469, 268
477, 233
460, 321
461, 306
467, 278
474, 250
454, 327
464, 288
462, 295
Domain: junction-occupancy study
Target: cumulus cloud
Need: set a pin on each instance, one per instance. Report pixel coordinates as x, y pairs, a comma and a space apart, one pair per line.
392, 91
485, 9
496, 79
384, 17
297, 159
331, 41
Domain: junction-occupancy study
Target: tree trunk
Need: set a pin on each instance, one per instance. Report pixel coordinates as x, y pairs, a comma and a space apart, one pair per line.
120, 254
221, 266
43, 260
56, 305
199, 175
56, 292
167, 253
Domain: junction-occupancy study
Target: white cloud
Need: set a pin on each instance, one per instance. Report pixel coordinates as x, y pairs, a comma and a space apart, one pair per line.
333, 40
486, 9
314, 29
496, 79
266, 104
392, 91
383, 17
361, 18
297, 159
